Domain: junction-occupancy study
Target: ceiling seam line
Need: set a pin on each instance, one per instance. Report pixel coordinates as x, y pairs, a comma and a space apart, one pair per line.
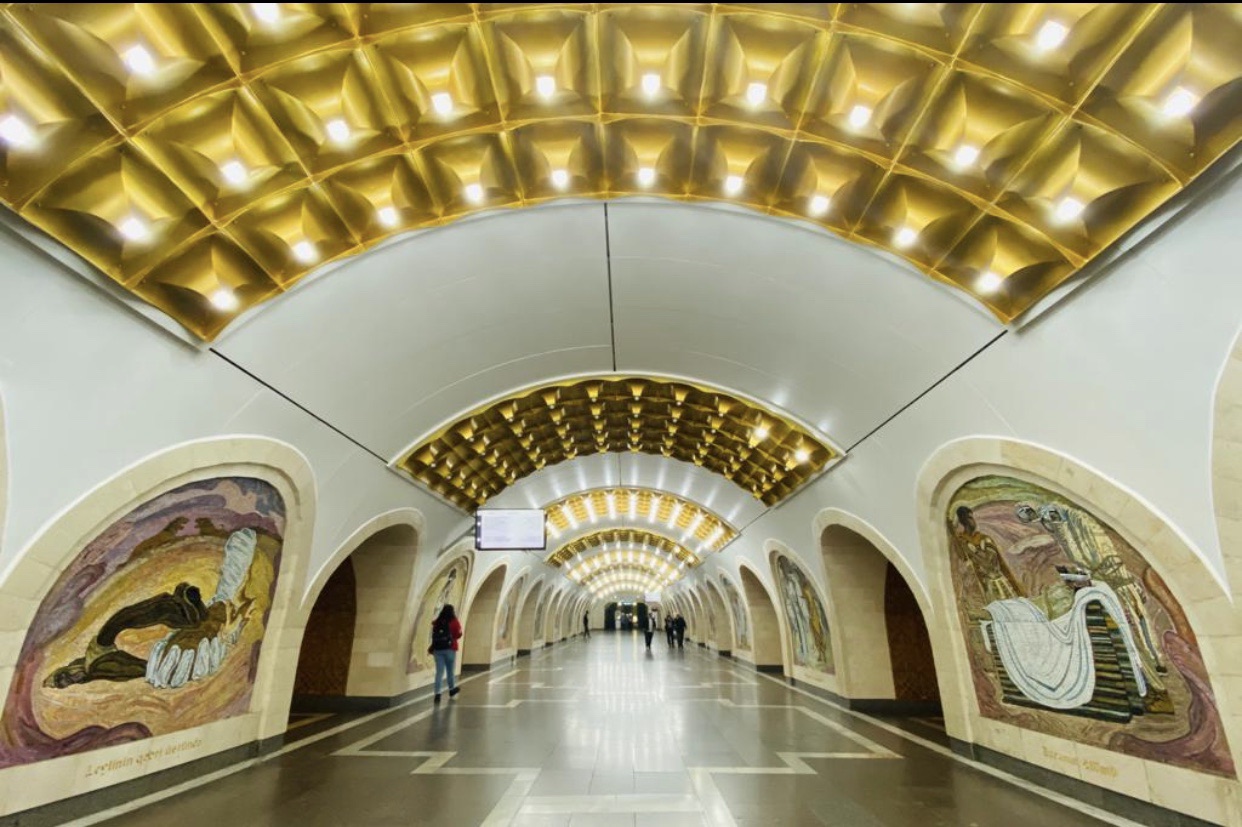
298, 405
926, 391
612, 313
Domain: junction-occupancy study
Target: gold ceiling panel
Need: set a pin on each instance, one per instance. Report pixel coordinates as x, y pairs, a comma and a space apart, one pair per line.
489, 449
621, 540
996, 147
675, 514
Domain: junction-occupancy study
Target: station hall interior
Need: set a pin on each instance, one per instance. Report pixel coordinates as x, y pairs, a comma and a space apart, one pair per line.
866, 380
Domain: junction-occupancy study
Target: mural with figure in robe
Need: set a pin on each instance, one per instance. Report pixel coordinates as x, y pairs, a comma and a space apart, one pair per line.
1070, 631
506, 617
449, 586
804, 612
154, 627
741, 620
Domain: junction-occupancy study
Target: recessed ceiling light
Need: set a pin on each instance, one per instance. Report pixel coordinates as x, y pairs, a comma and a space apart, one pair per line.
224, 299
234, 172
442, 102
1068, 209
338, 130
646, 176
733, 184
139, 60
965, 155
1181, 101
560, 178
474, 192
859, 116
545, 85
756, 93
305, 252
1050, 35
988, 282
267, 12
819, 204
387, 216
761, 432
905, 237
15, 131
651, 84
134, 229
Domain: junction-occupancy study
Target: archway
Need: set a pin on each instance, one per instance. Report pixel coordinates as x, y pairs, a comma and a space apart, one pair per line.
722, 618
480, 621
550, 630
526, 618
885, 659
765, 624
327, 642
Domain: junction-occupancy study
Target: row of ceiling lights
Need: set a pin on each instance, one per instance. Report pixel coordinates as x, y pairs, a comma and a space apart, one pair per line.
666, 564
630, 512
17, 133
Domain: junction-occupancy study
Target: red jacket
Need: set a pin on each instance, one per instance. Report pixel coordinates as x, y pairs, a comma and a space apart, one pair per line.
454, 631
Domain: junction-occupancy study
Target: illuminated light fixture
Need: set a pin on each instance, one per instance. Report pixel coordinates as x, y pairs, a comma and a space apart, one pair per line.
612, 507
139, 60
1068, 209
545, 85
442, 102
134, 229
15, 131
965, 155
651, 84
560, 178
646, 176
756, 93
819, 205
1050, 35
266, 12
224, 299
988, 282
859, 116
905, 237
632, 509
761, 432
338, 130
234, 172
733, 185
305, 252
387, 216
802, 455
590, 509
1180, 102
474, 193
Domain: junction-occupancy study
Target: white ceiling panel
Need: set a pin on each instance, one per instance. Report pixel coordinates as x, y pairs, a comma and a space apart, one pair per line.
830, 331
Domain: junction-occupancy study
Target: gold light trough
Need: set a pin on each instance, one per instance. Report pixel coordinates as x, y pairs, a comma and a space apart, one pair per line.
484, 452
622, 538
208, 156
641, 505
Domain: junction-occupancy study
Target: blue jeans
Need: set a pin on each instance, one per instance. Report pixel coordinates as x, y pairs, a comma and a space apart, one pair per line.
446, 659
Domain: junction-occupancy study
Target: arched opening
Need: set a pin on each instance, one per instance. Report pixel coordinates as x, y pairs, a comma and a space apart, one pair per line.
349, 649
554, 607
610, 617
722, 623
885, 650
767, 628
526, 619
328, 642
479, 625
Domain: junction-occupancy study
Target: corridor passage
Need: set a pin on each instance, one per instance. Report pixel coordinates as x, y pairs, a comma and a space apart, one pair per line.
599, 732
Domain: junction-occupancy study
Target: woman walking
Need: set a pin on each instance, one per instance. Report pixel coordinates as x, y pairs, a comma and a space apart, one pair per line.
445, 632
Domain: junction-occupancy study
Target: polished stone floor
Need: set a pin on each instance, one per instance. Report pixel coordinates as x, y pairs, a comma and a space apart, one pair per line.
599, 732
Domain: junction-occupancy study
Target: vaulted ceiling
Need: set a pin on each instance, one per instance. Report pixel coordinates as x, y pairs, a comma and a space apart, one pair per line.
207, 158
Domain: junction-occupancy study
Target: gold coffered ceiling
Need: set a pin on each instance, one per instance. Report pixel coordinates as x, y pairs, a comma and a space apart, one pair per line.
668, 512
208, 156
617, 541
482, 453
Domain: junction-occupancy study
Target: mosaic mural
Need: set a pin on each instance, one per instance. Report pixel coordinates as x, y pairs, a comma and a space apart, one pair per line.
154, 627
804, 612
741, 620
506, 617
449, 586
1071, 633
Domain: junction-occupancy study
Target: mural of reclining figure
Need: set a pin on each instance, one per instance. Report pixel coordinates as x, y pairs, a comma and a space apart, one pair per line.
201, 637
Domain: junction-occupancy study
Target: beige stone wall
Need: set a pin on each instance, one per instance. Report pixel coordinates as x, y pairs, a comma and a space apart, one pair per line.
717, 604
479, 619
766, 645
28, 582
528, 636
1210, 606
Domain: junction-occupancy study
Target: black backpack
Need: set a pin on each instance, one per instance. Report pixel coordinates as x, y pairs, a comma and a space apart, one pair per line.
441, 636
